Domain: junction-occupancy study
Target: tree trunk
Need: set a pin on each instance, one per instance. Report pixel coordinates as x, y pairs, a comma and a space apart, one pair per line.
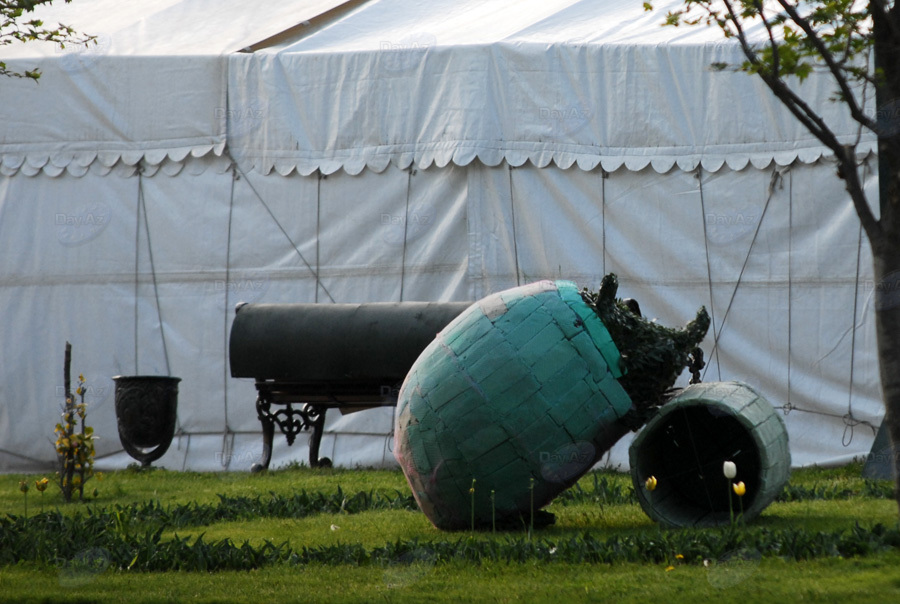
886, 243
887, 328
886, 253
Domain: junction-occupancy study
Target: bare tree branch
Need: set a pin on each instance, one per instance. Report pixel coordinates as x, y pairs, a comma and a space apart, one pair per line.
795, 104
15, 26
849, 171
776, 56
837, 72
845, 155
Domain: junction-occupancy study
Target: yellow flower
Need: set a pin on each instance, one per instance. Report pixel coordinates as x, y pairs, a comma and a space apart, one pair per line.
668, 568
80, 377
23, 486
739, 488
650, 483
41, 485
679, 556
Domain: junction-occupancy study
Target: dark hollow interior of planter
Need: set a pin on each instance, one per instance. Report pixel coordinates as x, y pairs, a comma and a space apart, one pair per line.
685, 452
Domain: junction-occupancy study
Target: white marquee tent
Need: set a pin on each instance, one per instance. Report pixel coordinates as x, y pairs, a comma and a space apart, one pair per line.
206, 152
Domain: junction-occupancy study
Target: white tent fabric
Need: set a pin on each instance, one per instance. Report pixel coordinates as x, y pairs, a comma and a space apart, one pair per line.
151, 88
405, 150
449, 81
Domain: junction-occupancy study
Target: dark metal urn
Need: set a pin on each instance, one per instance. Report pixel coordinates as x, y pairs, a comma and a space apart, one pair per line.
146, 407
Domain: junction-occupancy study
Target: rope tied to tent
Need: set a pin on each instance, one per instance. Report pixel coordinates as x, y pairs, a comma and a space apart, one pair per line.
142, 211
315, 273
775, 183
850, 422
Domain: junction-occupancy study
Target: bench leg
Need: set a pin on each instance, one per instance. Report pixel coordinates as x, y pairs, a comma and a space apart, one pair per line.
291, 421
315, 440
268, 433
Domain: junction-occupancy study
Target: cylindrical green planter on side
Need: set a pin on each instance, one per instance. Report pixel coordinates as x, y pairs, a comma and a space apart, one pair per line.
685, 445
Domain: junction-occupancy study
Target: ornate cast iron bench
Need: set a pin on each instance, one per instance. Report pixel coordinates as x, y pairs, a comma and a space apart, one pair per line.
308, 358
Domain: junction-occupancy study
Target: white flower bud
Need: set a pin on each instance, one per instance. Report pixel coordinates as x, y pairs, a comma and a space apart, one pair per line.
729, 469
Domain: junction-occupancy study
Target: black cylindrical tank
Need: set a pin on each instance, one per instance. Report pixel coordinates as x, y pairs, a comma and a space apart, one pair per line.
330, 343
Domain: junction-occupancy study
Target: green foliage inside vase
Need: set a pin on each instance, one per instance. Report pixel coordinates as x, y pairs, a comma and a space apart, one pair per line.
654, 355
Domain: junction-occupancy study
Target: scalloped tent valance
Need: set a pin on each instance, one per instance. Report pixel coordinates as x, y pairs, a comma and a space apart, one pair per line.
77, 164
217, 158
564, 160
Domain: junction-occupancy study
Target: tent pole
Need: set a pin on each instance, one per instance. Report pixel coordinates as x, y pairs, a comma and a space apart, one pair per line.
225, 330
712, 307
137, 256
512, 212
162, 328
409, 175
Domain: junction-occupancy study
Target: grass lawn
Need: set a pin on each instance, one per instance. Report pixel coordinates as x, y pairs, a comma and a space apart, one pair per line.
439, 566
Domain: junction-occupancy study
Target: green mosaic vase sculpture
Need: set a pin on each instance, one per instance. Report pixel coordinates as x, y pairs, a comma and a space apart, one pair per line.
512, 402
